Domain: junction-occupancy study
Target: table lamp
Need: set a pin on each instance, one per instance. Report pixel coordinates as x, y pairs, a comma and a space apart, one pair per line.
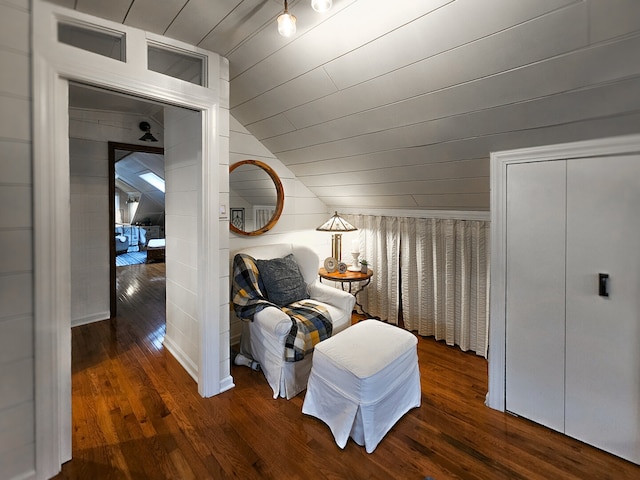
336, 224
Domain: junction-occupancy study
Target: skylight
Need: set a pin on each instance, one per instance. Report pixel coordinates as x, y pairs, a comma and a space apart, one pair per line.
154, 180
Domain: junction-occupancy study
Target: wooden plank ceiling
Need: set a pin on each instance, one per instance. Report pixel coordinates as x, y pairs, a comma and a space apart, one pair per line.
398, 104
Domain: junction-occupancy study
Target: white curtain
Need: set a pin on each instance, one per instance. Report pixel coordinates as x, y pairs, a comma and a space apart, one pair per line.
445, 280
444, 268
380, 246
262, 215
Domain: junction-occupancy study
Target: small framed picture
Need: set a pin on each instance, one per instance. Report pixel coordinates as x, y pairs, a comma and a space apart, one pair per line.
237, 218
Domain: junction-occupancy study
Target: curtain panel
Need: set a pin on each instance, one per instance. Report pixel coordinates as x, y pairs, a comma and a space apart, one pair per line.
262, 215
445, 280
380, 242
444, 270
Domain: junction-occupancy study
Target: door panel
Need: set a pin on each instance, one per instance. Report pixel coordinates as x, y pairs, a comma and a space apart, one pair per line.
535, 302
603, 333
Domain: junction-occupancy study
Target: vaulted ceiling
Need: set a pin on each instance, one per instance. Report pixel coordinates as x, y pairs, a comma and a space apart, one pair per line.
128, 179
398, 104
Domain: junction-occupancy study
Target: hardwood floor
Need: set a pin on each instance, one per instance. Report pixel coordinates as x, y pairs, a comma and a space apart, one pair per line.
137, 415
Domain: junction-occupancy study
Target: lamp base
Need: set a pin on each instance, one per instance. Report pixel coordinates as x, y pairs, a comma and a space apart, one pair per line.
336, 246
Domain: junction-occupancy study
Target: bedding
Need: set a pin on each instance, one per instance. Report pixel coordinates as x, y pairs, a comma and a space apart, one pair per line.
157, 243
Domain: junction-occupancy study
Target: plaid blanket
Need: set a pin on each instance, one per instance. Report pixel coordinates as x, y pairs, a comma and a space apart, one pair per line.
310, 323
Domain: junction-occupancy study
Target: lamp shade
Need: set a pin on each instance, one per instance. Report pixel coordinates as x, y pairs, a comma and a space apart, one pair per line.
321, 6
336, 224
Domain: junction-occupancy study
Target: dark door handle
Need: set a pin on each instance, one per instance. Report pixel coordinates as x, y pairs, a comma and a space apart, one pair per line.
603, 284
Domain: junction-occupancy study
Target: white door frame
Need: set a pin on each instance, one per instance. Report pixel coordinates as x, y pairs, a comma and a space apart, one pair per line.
54, 65
499, 162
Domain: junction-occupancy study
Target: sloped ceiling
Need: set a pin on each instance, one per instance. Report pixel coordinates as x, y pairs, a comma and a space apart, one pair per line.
398, 104
128, 171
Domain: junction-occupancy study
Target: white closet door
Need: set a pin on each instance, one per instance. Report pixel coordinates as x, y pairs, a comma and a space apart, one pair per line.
535, 302
603, 333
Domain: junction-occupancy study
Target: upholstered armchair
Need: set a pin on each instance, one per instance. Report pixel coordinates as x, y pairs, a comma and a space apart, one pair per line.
122, 244
263, 337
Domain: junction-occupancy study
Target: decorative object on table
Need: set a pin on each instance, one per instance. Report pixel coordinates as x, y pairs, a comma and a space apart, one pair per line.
355, 252
330, 264
355, 264
336, 224
364, 266
237, 218
342, 267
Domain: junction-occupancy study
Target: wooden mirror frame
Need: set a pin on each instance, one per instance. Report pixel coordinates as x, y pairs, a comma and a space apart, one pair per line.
279, 201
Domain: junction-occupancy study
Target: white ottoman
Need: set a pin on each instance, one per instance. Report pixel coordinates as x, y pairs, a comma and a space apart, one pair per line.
363, 380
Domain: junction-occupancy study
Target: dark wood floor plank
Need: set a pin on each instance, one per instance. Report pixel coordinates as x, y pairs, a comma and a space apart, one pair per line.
137, 414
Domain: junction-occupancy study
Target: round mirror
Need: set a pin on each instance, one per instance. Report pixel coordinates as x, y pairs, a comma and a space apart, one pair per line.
256, 197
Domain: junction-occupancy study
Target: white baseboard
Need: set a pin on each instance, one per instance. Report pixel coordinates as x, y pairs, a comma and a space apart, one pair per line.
226, 384
182, 358
30, 475
96, 317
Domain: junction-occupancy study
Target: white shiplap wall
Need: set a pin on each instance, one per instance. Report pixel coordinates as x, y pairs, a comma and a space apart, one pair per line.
183, 159
302, 209
17, 424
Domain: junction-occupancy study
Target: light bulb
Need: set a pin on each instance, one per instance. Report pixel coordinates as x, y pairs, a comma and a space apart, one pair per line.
321, 6
286, 24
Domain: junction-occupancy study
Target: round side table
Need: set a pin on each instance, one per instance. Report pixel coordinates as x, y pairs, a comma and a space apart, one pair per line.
347, 279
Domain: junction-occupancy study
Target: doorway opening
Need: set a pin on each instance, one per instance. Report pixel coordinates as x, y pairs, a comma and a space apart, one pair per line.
55, 66
136, 209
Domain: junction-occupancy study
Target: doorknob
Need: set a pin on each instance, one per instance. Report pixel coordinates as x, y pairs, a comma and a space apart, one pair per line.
603, 284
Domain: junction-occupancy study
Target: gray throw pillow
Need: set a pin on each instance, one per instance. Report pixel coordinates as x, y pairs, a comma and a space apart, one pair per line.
282, 280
